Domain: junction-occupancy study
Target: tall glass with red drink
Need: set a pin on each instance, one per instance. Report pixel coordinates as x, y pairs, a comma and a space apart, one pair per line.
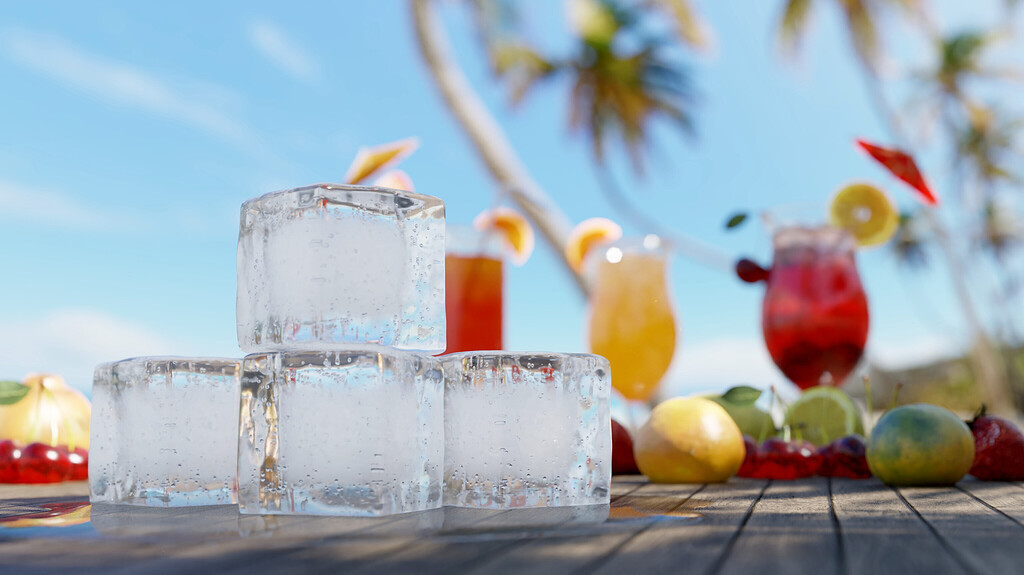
474, 280
815, 311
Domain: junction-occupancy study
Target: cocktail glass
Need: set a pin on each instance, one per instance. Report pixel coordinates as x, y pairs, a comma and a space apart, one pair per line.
632, 322
815, 311
474, 272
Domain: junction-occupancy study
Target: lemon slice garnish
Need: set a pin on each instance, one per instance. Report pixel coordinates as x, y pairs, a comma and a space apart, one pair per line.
866, 212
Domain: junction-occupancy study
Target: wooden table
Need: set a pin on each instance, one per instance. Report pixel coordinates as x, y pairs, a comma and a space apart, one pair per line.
746, 527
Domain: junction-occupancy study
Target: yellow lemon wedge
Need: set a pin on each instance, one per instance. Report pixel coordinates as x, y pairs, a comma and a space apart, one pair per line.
369, 161
516, 230
588, 234
866, 212
396, 180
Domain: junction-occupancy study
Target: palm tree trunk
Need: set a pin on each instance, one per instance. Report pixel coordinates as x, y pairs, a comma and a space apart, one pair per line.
487, 136
985, 359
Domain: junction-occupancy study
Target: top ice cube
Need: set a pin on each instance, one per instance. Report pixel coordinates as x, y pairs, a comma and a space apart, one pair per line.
329, 264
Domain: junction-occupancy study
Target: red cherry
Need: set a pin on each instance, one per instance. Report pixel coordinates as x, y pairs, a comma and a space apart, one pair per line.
41, 463
750, 458
845, 457
9, 455
79, 459
623, 462
779, 459
750, 272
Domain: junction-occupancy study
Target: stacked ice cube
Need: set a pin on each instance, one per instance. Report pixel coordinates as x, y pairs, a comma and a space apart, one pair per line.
341, 304
341, 408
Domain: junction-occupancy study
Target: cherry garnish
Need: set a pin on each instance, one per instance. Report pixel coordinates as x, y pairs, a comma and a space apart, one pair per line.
750, 272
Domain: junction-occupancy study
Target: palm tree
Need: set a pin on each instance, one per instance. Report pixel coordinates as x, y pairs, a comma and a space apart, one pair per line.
617, 91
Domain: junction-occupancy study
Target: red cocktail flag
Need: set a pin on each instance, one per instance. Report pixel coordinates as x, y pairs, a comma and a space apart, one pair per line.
902, 166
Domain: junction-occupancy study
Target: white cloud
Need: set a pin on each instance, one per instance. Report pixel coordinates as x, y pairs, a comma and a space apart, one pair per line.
72, 342
902, 353
122, 84
281, 51
48, 208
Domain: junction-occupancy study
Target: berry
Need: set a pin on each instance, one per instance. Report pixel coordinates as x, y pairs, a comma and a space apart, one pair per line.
623, 462
750, 460
41, 463
779, 459
79, 459
9, 456
998, 449
750, 272
845, 457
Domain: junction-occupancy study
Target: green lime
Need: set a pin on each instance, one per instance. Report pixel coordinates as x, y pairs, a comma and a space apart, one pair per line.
751, 420
823, 414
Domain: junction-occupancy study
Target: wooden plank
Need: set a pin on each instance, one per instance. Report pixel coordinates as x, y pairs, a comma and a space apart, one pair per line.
979, 539
1006, 498
668, 546
790, 531
36, 491
588, 549
881, 535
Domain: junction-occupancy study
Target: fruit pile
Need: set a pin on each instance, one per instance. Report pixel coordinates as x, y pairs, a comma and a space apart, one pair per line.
44, 431
709, 439
42, 463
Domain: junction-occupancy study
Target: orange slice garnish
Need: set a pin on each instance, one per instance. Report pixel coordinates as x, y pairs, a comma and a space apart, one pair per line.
368, 161
516, 230
586, 235
396, 180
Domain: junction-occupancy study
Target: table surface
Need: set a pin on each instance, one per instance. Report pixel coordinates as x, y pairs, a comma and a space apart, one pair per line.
816, 525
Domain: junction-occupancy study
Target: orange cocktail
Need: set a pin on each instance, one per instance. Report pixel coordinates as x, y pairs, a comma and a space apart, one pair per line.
474, 274
631, 318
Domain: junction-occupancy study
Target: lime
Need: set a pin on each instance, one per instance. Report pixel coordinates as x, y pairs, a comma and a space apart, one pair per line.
823, 414
920, 444
751, 420
866, 212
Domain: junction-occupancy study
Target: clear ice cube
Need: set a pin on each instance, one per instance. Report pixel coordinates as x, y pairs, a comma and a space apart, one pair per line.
164, 432
526, 430
329, 264
354, 431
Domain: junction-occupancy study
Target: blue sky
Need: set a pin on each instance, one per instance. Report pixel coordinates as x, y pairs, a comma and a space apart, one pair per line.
131, 132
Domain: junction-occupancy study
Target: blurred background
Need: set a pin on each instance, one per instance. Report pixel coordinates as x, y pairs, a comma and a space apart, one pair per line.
131, 132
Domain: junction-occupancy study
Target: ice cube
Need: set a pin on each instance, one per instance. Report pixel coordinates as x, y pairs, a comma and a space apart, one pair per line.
526, 430
328, 264
164, 432
354, 431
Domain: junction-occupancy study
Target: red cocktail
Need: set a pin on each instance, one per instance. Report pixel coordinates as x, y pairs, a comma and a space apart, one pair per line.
473, 290
815, 311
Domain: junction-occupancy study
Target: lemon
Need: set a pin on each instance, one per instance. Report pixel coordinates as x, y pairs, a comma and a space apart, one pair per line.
513, 227
689, 440
51, 412
586, 235
824, 414
866, 212
920, 444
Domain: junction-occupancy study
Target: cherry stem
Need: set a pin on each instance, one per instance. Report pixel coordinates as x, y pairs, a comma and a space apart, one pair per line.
871, 406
